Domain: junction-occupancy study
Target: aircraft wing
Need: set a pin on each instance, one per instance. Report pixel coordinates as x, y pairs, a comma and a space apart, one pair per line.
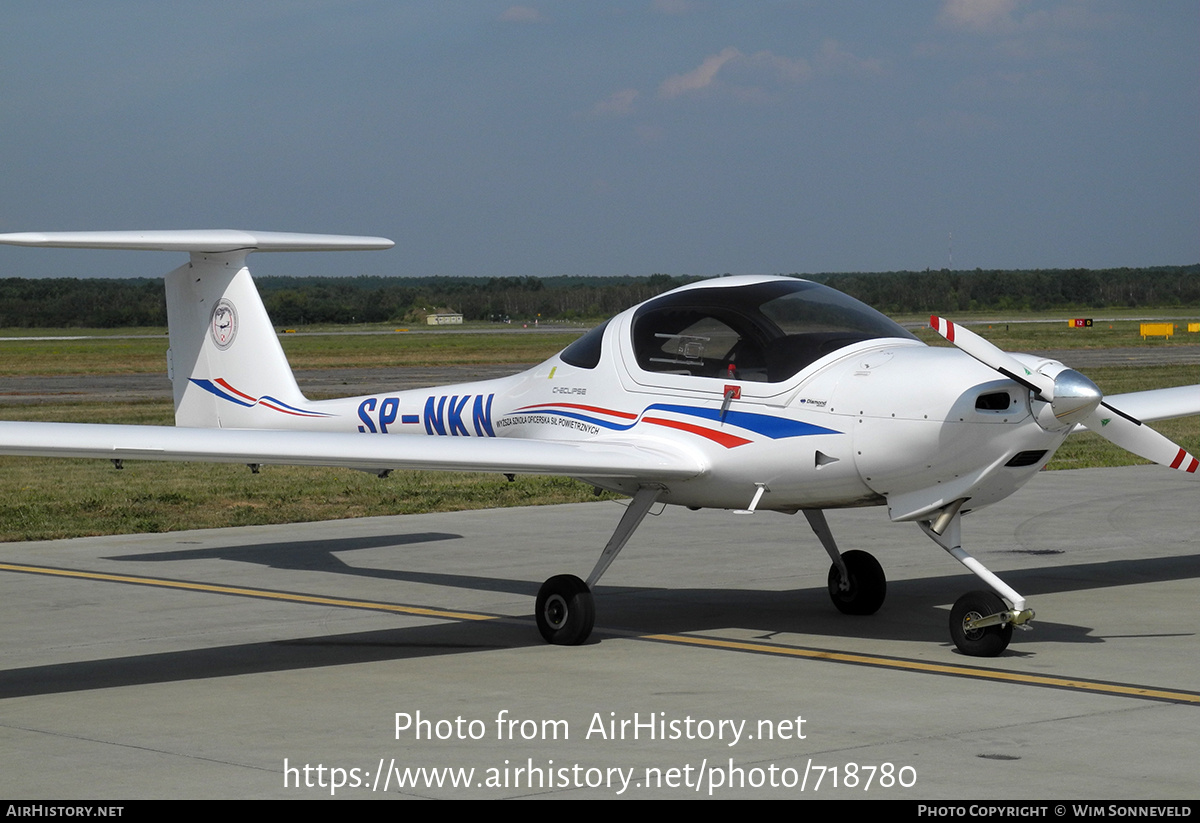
1158, 404
208, 240
641, 460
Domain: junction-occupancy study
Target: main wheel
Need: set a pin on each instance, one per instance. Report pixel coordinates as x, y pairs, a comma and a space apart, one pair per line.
565, 610
986, 642
867, 584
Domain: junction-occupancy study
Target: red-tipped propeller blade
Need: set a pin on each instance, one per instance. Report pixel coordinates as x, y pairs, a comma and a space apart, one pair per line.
1134, 436
989, 355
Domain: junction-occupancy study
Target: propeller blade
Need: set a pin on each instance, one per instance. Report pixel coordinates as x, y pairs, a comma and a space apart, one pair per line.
1134, 436
989, 355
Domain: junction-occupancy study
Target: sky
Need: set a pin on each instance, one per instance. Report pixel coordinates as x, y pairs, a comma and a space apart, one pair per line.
696, 137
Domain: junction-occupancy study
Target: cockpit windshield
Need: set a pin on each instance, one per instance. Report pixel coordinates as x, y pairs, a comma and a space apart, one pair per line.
764, 332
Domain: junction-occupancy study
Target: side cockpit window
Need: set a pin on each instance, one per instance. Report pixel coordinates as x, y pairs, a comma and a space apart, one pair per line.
585, 352
764, 332
699, 341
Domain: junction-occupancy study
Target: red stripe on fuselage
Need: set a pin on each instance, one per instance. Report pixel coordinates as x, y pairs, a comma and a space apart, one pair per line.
581, 407
221, 381
273, 407
729, 441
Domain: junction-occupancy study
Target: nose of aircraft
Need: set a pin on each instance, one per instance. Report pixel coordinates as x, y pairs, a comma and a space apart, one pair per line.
1083, 404
1075, 398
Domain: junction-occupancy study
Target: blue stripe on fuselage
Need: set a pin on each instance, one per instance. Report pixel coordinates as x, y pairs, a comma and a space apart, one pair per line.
767, 425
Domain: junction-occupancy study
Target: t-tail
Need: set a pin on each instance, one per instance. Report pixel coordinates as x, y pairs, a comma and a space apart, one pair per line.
226, 366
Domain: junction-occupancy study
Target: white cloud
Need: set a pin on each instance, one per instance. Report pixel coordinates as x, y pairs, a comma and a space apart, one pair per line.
1017, 17
617, 104
522, 14
833, 59
698, 78
764, 74
979, 15
774, 68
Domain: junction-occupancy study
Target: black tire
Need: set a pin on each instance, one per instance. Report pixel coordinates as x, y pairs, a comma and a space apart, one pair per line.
986, 642
565, 610
868, 584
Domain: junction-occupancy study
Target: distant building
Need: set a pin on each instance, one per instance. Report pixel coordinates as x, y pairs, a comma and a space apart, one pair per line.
444, 319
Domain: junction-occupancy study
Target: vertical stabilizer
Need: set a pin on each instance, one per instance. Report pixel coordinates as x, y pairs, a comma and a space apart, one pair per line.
227, 368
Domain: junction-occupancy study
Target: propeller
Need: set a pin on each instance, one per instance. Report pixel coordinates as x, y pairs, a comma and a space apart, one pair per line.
1072, 398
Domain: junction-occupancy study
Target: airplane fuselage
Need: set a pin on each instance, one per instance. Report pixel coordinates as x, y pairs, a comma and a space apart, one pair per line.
863, 425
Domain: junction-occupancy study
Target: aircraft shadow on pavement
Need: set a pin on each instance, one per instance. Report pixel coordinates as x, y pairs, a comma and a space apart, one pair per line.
322, 556
913, 612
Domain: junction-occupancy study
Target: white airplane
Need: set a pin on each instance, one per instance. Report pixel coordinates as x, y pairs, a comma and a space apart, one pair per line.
743, 393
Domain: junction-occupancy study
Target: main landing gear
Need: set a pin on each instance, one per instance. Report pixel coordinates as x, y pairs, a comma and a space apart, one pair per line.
857, 584
565, 610
981, 622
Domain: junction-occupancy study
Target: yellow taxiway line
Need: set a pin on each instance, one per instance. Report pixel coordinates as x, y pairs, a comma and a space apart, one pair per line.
974, 672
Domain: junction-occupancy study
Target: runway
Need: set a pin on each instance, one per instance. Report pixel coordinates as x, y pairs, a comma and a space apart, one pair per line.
281, 661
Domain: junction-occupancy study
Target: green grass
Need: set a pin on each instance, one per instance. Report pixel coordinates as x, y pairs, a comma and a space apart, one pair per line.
148, 355
136, 412
21, 358
44, 499
421, 349
1038, 336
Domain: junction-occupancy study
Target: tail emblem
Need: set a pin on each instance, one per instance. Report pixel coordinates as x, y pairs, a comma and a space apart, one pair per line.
224, 324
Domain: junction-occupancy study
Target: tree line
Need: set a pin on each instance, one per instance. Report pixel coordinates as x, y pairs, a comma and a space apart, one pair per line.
297, 301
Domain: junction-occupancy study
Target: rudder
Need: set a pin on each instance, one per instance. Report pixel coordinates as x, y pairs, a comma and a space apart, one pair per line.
226, 366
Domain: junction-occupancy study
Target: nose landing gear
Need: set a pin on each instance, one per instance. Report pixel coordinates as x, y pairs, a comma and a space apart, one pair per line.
981, 622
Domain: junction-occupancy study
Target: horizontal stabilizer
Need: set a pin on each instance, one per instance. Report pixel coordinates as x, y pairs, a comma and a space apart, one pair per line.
501, 454
196, 240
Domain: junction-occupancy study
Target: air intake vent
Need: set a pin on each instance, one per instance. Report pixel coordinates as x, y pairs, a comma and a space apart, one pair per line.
1025, 459
992, 401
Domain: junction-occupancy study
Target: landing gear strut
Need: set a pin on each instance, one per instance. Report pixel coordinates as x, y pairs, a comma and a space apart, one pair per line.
565, 610
857, 584
981, 622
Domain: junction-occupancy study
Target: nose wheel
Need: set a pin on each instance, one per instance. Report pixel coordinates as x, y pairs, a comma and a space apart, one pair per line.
980, 624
